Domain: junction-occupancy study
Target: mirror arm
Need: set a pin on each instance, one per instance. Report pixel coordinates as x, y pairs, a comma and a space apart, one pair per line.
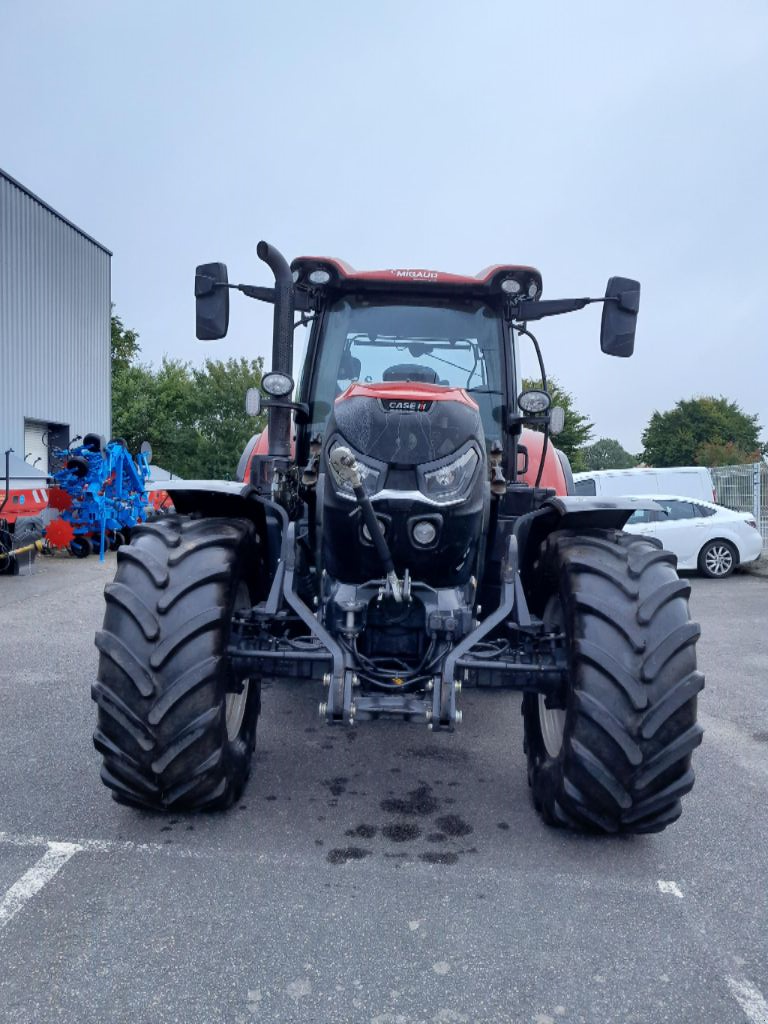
302, 301
523, 311
543, 454
255, 292
300, 408
533, 420
529, 334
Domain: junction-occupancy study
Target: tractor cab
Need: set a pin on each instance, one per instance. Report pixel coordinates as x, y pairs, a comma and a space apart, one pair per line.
410, 327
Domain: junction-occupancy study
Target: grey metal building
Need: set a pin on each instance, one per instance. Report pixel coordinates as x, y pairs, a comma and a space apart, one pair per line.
55, 292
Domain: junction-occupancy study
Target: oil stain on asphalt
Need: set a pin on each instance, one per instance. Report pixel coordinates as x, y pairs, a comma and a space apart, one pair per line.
420, 802
348, 853
401, 832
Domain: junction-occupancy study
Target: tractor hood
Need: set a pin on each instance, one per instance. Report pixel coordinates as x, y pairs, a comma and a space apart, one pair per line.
406, 424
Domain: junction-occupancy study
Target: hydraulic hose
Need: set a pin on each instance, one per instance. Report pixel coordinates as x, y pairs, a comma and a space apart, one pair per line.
372, 523
345, 466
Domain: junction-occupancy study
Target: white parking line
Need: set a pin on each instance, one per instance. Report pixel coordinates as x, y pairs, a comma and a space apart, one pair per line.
750, 999
32, 881
100, 845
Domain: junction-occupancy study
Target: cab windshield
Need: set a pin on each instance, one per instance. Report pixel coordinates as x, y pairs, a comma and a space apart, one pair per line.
456, 345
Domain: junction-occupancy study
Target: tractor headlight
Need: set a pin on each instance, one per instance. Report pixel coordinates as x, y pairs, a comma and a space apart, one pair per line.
451, 480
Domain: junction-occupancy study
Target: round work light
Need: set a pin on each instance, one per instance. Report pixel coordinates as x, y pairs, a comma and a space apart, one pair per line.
510, 286
424, 532
276, 384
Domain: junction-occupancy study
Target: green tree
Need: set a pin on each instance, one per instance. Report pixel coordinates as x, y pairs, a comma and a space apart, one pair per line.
157, 406
607, 454
578, 428
711, 454
194, 417
124, 347
223, 428
677, 437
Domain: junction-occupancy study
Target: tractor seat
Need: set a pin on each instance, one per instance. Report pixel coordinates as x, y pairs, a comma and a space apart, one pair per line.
411, 372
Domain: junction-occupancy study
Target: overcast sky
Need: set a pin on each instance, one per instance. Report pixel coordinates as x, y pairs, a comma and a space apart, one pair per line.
587, 139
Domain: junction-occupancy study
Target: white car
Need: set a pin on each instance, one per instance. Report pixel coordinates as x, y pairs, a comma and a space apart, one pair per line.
703, 535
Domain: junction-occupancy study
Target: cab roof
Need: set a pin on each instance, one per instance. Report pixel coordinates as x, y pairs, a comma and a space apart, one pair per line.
343, 277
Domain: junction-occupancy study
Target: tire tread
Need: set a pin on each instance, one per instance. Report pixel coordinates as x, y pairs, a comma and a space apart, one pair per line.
163, 673
631, 723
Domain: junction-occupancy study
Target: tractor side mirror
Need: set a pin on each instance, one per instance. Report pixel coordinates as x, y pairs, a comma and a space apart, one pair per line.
146, 449
617, 330
211, 301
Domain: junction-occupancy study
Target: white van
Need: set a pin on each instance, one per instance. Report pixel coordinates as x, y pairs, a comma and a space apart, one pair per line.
687, 481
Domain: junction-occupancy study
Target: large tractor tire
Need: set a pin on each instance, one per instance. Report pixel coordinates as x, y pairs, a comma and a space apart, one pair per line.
616, 755
174, 731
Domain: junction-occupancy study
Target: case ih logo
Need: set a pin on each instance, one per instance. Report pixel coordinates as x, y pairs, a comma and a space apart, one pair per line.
416, 275
405, 405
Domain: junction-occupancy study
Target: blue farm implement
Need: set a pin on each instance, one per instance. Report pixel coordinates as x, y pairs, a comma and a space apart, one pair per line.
101, 495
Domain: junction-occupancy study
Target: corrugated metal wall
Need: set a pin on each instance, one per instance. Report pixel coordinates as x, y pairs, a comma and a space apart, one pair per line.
54, 321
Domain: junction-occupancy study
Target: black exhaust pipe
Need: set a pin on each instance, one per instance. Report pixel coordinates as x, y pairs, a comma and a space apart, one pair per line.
279, 432
7, 478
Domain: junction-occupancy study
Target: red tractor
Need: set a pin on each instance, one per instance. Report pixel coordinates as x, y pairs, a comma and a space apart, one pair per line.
400, 534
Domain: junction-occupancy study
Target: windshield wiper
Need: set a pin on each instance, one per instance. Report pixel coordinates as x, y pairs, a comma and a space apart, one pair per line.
447, 362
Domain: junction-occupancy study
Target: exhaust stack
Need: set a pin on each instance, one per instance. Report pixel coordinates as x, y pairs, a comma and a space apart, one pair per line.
279, 432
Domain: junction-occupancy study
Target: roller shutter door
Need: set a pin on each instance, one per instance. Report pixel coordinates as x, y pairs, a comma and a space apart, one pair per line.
36, 444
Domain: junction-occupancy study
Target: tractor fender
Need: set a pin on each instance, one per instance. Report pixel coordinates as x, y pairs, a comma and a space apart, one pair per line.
571, 512
244, 465
557, 470
232, 499
588, 513
257, 445
565, 465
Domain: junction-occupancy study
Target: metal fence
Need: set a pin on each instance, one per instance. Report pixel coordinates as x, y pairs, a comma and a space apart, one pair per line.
745, 489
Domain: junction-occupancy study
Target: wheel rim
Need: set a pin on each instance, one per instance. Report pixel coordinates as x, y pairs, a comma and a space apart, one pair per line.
235, 710
718, 560
235, 703
552, 720
552, 725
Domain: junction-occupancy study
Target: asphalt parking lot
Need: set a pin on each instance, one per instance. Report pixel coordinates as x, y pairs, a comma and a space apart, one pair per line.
380, 874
